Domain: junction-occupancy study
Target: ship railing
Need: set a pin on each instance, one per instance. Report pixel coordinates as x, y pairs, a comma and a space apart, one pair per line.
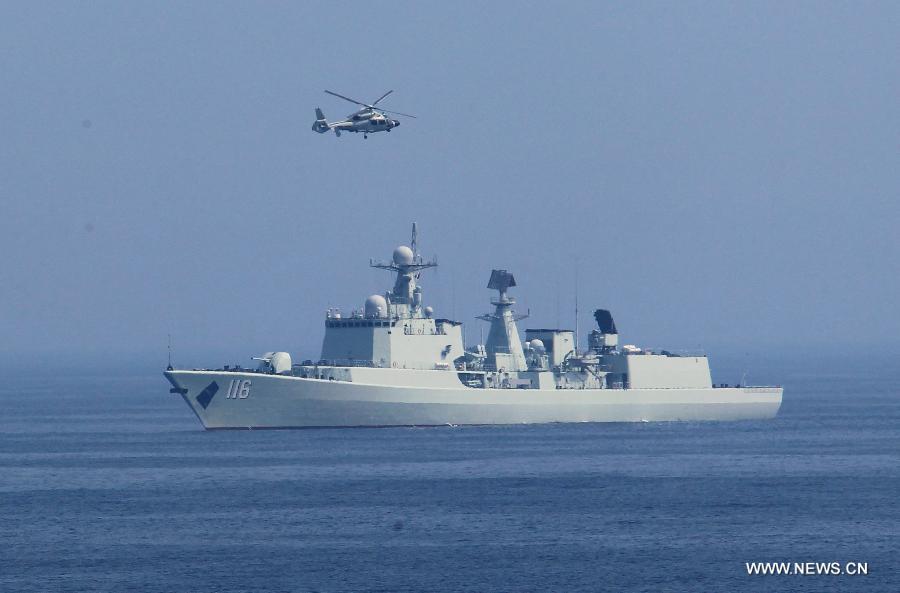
748, 388
683, 352
411, 331
339, 362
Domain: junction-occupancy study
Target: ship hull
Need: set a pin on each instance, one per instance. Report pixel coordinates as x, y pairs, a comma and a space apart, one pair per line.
234, 400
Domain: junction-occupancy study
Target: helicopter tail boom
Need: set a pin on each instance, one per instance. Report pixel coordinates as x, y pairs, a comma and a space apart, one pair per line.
321, 124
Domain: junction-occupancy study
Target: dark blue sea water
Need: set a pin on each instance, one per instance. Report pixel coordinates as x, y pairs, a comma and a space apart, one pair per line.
109, 484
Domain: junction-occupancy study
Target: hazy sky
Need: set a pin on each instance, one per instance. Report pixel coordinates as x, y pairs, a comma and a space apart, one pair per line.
723, 175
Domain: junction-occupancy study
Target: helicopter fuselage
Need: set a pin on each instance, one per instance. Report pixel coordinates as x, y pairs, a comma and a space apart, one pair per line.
367, 123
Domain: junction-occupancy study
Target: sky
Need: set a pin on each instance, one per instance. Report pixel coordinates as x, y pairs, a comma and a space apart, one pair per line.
720, 175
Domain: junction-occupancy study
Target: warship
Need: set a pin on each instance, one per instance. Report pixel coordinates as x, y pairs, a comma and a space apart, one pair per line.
392, 362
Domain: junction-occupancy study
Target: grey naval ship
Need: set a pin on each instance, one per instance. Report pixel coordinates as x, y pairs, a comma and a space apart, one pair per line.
394, 363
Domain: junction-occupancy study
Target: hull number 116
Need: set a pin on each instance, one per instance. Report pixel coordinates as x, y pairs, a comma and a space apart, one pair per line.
238, 389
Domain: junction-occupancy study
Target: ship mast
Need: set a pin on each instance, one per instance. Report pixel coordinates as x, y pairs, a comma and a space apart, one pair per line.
405, 300
503, 342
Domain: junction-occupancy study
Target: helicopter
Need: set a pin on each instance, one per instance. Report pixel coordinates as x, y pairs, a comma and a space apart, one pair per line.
368, 120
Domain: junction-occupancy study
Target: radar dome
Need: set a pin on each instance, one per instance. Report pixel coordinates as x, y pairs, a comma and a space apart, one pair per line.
429, 312
403, 256
536, 345
376, 306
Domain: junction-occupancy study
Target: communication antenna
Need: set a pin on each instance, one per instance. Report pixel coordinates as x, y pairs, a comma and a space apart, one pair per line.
576, 307
415, 235
453, 298
557, 304
169, 368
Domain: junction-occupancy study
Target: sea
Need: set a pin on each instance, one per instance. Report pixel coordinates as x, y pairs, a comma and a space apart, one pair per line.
109, 483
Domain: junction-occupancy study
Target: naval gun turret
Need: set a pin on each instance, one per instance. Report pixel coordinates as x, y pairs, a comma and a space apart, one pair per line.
274, 363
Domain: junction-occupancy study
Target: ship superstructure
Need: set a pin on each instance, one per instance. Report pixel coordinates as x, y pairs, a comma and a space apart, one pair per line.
392, 362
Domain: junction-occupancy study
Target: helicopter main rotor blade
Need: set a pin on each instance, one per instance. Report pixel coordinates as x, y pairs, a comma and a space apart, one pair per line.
396, 113
375, 102
349, 99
